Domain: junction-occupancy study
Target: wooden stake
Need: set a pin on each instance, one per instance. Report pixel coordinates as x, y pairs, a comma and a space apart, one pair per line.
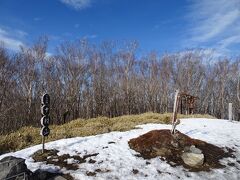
43, 143
175, 109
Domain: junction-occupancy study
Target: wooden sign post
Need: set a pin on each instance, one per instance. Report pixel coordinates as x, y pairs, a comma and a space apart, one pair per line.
45, 120
189, 106
175, 109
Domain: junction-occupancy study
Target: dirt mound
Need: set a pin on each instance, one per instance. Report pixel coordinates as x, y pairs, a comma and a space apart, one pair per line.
170, 148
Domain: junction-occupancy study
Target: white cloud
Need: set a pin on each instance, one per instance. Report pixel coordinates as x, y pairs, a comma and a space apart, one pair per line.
21, 33
215, 25
224, 44
214, 22
77, 4
3, 32
9, 41
206, 55
229, 41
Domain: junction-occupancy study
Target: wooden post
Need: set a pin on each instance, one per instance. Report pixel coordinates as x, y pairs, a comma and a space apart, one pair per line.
45, 120
175, 109
230, 111
43, 143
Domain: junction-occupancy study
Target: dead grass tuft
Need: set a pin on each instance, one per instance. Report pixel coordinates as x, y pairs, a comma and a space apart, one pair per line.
28, 136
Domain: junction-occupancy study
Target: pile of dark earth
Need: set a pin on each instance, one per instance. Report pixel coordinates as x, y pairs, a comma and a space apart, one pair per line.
170, 148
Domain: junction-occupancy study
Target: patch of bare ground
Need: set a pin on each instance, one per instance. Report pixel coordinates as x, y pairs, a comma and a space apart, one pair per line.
170, 148
51, 157
94, 173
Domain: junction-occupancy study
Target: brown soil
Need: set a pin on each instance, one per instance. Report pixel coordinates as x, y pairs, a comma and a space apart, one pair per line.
51, 157
170, 148
94, 173
89, 173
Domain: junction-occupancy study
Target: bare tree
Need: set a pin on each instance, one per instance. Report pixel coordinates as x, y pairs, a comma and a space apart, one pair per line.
110, 79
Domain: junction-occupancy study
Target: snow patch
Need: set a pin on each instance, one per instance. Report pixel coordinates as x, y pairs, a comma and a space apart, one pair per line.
117, 161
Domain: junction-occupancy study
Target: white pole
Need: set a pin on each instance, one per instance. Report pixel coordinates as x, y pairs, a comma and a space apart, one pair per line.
175, 109
230, 111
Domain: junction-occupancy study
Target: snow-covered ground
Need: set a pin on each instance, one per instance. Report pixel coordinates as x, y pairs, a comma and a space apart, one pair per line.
118, 160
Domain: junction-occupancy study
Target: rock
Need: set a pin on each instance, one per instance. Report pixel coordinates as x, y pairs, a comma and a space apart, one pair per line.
162, 151
15, 167
11, 166
192, 156
41, 175
195, 150
192, 149
44, 175
193, 159
58, 178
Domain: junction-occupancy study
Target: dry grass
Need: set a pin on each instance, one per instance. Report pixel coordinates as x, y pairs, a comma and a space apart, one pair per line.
29, 136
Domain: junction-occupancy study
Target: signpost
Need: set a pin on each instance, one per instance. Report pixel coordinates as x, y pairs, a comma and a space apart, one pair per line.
189, 105
230, 111
175, 121
45, 120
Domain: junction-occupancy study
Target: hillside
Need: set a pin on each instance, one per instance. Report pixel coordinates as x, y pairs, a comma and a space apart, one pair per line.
108, 156
28, 136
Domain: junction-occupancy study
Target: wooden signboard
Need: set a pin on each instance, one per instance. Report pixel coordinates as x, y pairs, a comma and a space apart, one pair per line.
45, 120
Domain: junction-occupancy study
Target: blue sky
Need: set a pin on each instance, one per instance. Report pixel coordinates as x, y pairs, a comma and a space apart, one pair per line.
160, 25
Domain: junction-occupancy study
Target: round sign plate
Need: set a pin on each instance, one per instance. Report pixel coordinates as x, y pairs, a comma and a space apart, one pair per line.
45, 99
45, 110
45, 131
45, 120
